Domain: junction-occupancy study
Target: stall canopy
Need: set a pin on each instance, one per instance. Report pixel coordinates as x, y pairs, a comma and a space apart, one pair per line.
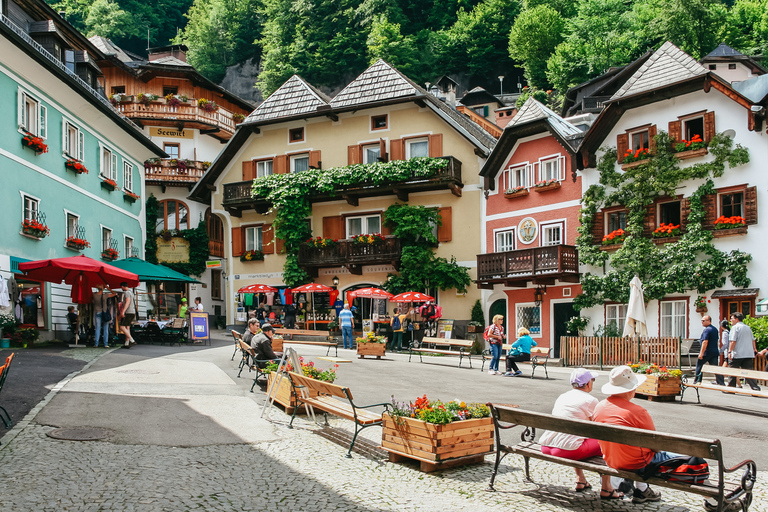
152, 272
257, 288
69, 270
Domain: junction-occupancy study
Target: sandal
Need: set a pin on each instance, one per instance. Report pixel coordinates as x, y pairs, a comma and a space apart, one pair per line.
583, 486
611, 495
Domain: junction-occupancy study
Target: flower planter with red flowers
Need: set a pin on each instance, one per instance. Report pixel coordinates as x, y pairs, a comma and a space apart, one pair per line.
512, 193
729, 226
76, 167
667, 231
36, 144
546, 185
369, 239
635, 158
130, 196
108, 184
77, 244
110, 254
207, 106
614, 238
35, 229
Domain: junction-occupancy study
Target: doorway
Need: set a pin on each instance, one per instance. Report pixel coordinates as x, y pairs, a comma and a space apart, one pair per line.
562, 314
499, 307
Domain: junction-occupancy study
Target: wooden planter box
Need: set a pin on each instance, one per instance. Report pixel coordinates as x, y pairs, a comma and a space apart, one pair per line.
521, 193
277, 344
720, 233
371, 349
553, 186
683, 155
654, 386
437, 446
611, 247
665, 240
284, 395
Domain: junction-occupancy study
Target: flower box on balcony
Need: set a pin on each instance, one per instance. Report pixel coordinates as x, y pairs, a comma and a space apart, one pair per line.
693, 153
721, 233
110, 255
252, 256
546, 187
130, 196
75, 166
108, 184
512, 194
77, 244
36, 144
34, 229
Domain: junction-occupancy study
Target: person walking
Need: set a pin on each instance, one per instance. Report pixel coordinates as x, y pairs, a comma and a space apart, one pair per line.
741, 349
494, 334
520, 351
127, 314
710, 351
99, 301
725, 337
398, 328
347, 323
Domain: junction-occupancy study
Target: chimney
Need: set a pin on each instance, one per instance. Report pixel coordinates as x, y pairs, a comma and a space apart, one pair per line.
178, 51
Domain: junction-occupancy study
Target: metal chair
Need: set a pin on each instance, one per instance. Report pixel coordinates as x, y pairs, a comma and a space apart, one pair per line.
4, 375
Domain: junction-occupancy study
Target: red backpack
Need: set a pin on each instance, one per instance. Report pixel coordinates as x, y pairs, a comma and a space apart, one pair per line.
487, 332
692, 470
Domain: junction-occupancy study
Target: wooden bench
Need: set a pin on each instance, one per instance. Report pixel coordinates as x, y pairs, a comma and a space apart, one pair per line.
464, 347
725, 493
301, 332
277, 344
238, 338
539, 357
688, 382
335, 400
4, 375
249, 360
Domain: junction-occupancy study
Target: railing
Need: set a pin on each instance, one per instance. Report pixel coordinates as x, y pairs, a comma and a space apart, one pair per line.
109, 243
528, 263
483, 122
599, 351
216, 248
595, 103
189, 112
170, 170
237, 193
348, 252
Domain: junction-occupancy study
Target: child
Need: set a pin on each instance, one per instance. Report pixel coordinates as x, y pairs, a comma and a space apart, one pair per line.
72, 317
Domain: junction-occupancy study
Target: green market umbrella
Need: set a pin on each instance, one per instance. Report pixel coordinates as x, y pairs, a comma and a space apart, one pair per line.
151, 272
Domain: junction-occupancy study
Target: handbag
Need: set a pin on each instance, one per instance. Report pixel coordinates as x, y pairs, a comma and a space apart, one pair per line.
106, 316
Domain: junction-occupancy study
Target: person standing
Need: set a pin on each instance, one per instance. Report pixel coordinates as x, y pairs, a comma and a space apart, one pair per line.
520, 351
710, 351
100, 303
741, 349
347, 323
198, 306
127, 314
290, 316
398, 328
494, 335
183, 308
725, 339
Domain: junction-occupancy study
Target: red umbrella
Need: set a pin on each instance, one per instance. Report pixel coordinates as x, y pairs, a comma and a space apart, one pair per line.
81, 290
257, 288
369, 293
411, 297
312, 288
67, 270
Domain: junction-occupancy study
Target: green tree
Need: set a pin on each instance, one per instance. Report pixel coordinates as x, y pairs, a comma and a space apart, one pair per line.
386, 42
746, 29
532, 40
107, 19
566, 8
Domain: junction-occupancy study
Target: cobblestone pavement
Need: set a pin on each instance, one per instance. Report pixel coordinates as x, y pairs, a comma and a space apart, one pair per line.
264, 466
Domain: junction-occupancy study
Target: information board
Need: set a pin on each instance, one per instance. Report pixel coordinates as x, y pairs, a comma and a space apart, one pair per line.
199, 322
444, 328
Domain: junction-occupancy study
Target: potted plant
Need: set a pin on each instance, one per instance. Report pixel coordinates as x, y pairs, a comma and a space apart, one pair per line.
577, 324
130, 196
253, 255
322, 243
77, 243
694, 144
76, 167
207, 106
614, 237
372, 239
637, 155
515, 192
701, 304
146, 98
7, 326
34, 228
109, 184
371, 345
110, 254
36, 144
660, 381
667, 231
174, 100
238, 118
284, 395
546, 185
730, 222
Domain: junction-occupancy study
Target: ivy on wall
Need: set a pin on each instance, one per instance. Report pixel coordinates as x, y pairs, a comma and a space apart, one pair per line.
691, 263
197, 238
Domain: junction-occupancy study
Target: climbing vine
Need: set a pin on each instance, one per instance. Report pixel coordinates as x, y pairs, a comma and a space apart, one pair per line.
691, 263
197, 238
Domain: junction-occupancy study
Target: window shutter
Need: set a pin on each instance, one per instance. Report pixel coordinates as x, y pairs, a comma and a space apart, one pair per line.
113, 170
750, 205
43, 129
709, 203
397, 149
237, 242
22, 118
354, 154
685, 211
280, 164
445, 230
651, 141
383, 150
436, 145
81, 148
709, 126
267, 237
279, 246
676, 131
384, 229
333, 227
65, 138
598, 228
249, 170
314, 160
649, 221
622, 145
485, 110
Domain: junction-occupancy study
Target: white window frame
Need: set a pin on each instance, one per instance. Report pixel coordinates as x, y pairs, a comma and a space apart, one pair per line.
517, 175
257, 239
110, 172
363, 224
415, 140
67, 215
40, 128
299, 156
261, 167
127, 176
558, 174
615, 312
504, 233
78, 152
518, 323
546, 226
34, 200
678, 318
366, 147
128, 246
105, 243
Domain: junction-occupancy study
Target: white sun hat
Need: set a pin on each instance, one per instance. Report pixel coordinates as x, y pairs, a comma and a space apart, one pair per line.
622, 380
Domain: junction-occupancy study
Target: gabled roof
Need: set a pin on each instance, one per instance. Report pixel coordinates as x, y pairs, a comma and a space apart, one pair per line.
724, 53
294, 97
478, 96
667, 66
170, 61
109, 49
377, 83
723, 50
532, 110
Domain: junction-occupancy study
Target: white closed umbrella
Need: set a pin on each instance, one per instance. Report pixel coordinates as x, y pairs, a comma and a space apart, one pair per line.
635, 322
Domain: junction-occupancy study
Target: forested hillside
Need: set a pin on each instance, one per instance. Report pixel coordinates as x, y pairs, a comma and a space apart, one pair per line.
559, 43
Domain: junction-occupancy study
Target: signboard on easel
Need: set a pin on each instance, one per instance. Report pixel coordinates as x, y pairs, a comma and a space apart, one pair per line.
199, 322
444, 328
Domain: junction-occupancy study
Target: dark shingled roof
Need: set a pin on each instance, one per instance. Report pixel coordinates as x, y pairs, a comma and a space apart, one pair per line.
723, 50
294, 97
377, 83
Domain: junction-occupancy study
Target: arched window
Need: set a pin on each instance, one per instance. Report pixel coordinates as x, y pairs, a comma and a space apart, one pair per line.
215, 234
172, 214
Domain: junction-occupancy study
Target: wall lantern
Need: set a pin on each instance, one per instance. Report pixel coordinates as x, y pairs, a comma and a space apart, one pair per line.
335, 281
538, 295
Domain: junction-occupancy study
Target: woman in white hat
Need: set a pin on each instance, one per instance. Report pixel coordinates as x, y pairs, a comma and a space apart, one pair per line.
577, 404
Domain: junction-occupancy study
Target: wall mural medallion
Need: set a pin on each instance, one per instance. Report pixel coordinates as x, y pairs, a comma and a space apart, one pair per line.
527, 230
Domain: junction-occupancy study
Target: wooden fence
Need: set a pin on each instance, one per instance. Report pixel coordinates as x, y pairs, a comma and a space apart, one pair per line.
599, 351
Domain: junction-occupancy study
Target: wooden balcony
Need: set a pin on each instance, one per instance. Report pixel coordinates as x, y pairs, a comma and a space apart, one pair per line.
171, 172
538, 265
220, 123
347, 253
237, 196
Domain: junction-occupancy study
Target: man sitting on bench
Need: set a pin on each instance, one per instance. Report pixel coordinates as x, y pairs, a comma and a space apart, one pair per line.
261, 343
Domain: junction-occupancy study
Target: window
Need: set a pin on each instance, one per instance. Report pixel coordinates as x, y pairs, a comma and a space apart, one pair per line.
108, 164
617, 220
669, 213
673, 318
170, 90
505, 241
72, 225
264, 168
416, 147
215, 234
172, 148
118, 89
378, 122
639, 140
515, 177
73, 142
363, 225
172, 214
253, 239
732, 204
529, 316
32, 115
693, 126
616, 315
371, 153
128, 247
296, 135
31, 208
549, 170
552, 234
216, 284
127, 176
106, 238
713, 67
731, 66
300, 163
69, 60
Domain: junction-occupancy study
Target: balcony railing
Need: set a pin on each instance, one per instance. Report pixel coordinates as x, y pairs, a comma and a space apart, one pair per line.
174, 172
594, 104
350, 254
539, 264
188, 112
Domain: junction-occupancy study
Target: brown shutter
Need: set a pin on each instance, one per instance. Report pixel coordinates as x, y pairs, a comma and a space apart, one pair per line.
685, 211
676, 131
397, 149
280, 164
709, 203
279, 246
383, 150
237, 241
354, 154
436, 145
333, 227
709, 126
750, 205
649, 221
651, 142
598, 228
445, 230
622, 145
267, 236
384, 229
315, 160
249, 170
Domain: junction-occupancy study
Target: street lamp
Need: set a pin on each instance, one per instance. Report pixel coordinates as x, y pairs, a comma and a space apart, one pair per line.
501, 86
538, 295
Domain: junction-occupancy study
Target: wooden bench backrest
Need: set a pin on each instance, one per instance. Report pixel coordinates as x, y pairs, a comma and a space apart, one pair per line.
544, 351
736, 372
246, 347
322, 387
302, 332
236, 335
443, 341
657, 441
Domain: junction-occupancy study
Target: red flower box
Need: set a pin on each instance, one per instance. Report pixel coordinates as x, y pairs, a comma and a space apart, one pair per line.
36, 144
76, 167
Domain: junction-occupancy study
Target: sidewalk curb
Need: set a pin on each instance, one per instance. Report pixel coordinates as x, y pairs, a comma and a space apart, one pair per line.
29, 418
